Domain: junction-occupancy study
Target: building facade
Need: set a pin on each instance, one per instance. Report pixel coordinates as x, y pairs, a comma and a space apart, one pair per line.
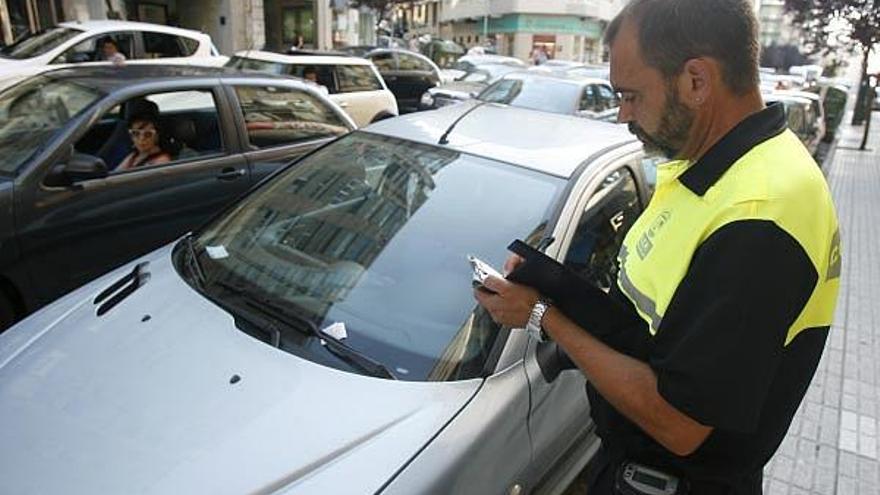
564, 29
233, 24
776, 27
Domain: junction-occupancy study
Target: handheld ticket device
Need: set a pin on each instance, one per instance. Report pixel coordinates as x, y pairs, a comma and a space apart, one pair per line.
482, 271
636, 479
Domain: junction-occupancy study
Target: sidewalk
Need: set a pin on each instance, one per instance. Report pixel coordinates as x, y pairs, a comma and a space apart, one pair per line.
832, 445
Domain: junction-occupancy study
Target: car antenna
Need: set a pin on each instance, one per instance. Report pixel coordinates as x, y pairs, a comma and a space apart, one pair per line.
444, 139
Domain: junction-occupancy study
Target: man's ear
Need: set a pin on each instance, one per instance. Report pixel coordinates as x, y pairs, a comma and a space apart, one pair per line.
696, 81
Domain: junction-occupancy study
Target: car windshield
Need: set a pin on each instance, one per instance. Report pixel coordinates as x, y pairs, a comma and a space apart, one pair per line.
34, 45
31, 113
488, 73
369, 238
537, 93
253, 65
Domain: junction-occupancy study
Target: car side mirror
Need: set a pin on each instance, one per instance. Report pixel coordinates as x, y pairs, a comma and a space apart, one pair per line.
80, 167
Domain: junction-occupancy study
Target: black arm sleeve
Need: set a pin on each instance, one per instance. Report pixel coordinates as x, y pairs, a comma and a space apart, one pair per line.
721, 339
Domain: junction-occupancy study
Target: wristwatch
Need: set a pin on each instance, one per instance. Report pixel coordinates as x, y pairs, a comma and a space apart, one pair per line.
533, 327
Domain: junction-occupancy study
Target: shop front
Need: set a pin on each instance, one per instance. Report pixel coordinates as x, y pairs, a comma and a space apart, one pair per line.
560, 36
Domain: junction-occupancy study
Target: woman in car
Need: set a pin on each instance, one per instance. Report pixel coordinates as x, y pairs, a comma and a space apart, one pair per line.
146, 136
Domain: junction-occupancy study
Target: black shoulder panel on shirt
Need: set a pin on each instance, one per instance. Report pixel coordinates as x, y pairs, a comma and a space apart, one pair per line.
720, 343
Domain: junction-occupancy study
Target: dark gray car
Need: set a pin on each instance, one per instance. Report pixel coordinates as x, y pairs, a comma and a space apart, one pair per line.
67, 215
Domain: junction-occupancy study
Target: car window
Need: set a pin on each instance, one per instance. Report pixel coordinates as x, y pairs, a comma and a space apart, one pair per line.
354, 78
796, 118
463, 66
411, 62
34, 111
281, 116
186, 126
608, 97
316, 73
478, 76
254, 65
544, 94
384, 62
602, 226
372, 233
588, 100
37, 44
189, 45
649, 164
89, 50
161, 45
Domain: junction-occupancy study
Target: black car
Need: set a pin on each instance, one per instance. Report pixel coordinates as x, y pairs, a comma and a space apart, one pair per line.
407, 74
68, 214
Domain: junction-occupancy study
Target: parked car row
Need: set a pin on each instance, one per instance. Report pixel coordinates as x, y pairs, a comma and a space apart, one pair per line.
805, 114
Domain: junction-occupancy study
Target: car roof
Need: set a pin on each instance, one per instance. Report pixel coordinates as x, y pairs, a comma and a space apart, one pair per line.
302, 59
557, 76
782, 97
800, 94
109, 78
492, 59
103, 26
379, 51
551, 143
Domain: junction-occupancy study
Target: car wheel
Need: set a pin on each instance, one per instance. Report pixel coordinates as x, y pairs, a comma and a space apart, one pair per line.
7, 312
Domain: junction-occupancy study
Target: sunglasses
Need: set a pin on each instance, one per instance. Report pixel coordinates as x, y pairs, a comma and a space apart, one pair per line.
142, 133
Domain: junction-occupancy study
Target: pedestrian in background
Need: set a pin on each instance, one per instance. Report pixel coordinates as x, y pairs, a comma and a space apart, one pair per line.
731, 273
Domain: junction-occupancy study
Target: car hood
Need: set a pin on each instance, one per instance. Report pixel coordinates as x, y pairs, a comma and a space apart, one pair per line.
458, 89
163, 394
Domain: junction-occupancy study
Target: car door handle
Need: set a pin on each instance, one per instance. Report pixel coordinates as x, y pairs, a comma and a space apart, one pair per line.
230, 173
343, 104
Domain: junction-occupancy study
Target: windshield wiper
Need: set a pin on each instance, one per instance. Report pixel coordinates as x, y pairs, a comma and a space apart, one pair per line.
193, 260
290, 318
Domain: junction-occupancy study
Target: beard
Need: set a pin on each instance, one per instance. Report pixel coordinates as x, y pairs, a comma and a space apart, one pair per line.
672, 133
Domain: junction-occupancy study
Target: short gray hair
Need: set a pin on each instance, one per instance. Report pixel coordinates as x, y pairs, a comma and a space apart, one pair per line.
673, 31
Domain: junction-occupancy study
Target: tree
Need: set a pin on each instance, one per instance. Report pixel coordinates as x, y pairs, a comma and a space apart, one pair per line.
830, 25
782, 56
381, 7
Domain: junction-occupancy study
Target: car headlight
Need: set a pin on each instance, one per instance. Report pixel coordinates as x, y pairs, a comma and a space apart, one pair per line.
427, 99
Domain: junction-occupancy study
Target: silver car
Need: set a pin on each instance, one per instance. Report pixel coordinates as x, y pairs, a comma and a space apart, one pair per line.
556, 92
321, 337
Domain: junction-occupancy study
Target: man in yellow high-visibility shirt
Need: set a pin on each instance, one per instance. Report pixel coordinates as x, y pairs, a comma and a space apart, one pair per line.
733, 269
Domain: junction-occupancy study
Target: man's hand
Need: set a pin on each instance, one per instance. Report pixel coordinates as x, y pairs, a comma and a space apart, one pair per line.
513, 261
511, 305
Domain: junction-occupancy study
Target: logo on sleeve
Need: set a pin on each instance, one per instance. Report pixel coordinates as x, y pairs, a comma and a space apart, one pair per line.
834, 258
